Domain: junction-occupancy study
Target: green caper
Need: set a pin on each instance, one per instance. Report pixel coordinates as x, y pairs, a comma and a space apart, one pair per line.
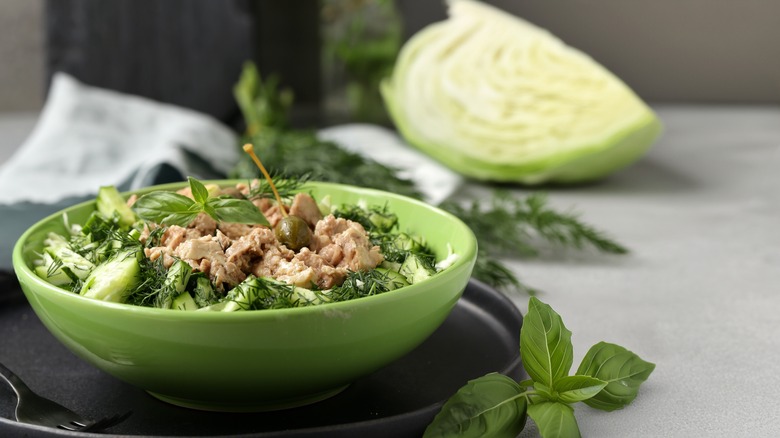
293, 232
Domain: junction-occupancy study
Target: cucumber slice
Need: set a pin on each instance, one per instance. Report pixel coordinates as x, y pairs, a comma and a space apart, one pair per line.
111, 204
414, 269
57, 252
114, 279
395, 279
175, 282
204, 292
184, 302
57, 277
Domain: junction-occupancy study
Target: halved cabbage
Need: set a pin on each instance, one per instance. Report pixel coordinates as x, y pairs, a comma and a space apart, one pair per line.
497, 98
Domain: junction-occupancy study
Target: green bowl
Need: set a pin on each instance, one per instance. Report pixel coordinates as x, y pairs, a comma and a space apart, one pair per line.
256, 360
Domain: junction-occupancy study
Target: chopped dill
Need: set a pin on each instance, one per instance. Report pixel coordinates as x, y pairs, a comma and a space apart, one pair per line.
155, 236
359, 284
259, 293
150, 289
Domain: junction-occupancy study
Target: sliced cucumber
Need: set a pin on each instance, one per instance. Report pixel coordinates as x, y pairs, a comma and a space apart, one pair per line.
66, 261
308, 296
394, 280
114, 279
56, 277
184, 302
414, 269
388, 265
111, 204
175, 282
204, 292
408, 242
383, 222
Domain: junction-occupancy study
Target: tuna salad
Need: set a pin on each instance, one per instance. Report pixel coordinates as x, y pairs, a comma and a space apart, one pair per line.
248, 246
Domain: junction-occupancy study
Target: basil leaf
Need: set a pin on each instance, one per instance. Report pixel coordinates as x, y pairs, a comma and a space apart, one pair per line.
166, 208
554, 420
199, 192
492, 405
623, 371
237, 210
545, 344
572, 389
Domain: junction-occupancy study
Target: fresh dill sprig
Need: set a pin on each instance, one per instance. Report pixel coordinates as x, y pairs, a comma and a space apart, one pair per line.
287, 186
490, 270
565, 229
507, 226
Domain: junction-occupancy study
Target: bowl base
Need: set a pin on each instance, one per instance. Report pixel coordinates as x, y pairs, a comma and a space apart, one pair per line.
259, 406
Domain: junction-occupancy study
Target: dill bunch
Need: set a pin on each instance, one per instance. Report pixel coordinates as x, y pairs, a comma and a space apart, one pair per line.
359, 284
285, 185
509, 227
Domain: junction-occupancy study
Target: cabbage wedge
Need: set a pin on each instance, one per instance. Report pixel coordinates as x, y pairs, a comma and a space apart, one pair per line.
496, 98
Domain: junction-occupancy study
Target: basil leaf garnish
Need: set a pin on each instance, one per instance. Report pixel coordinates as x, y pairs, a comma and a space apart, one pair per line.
492, 405
554, 420
170, 208
166, 208
545, 344
608, 378
623, 370
199, 192
572, 389
237, 210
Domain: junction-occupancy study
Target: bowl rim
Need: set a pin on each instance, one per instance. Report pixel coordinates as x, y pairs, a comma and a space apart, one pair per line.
465, 260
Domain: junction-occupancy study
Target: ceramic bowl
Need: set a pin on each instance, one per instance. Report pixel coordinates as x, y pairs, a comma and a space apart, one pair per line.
254, 360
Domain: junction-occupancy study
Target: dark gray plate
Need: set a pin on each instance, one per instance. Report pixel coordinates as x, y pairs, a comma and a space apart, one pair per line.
480, 336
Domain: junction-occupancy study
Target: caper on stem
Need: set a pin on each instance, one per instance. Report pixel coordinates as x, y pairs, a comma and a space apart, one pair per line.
291, 231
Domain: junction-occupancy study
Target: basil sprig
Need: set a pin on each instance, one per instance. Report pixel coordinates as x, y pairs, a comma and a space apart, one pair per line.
495, 405
169, 208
